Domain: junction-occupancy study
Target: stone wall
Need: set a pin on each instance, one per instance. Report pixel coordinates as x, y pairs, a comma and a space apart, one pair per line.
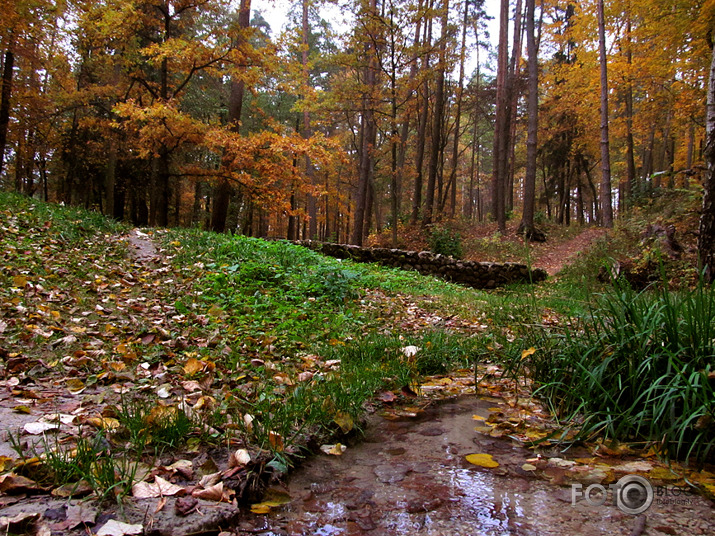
470, 273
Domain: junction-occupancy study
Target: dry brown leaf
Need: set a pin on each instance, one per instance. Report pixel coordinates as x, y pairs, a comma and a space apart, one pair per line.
160, 487
214, 493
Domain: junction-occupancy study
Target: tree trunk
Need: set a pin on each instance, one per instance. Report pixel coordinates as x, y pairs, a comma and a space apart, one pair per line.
513, 100
532, 111
223, 190
368, 133
422, 128
625, 190
311, 202
5, 96
458, 113
606, 201
500, 129
437, 119
706, 236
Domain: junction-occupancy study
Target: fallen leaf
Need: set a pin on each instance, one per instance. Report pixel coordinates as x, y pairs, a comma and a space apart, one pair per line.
75, 386
528, 467
159, 488
22, 518
80, 514
482, 460
191, 385
39, 427
334, 450
73, 489
117, 528
19, 281
275, 440
239, 458
193, 366
387, 396
214, 493
260, 508
410, 351
6, 463
344, 421
163, 391
527, 353
183, 467
103, 423
12, 484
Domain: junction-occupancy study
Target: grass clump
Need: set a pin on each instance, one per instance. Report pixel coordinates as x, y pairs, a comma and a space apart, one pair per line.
639, 367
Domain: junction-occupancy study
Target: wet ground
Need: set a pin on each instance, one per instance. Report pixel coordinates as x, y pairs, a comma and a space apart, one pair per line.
410, 477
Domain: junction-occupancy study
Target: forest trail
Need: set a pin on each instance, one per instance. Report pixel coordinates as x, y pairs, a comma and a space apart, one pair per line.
555, 257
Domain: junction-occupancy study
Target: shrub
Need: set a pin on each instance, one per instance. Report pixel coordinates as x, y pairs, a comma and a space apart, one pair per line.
445, 241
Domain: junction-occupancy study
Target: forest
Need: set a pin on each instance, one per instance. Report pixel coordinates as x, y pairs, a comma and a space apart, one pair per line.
198, 113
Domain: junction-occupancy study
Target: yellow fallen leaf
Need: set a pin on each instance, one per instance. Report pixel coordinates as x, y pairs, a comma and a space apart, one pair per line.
482, 460
479, 418
103, 423
193, 366
333, 450
483, 429
527, 353
19, 281
260, 508
344, 421
275, 440
6, 463
528, 467
75, 386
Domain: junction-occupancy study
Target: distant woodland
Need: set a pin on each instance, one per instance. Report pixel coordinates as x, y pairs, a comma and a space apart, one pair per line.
198, 113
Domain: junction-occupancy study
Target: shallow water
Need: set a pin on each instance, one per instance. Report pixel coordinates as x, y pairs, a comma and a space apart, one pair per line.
409, 477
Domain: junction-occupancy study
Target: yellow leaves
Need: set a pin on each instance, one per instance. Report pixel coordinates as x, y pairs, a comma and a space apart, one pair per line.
19, 281
103, 423
482, 460
528, 352
75, 386
333, 450
194, 366
276, 441
344, 421
272, 499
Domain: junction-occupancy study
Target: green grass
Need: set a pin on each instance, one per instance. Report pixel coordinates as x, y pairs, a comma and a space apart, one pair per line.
635, 369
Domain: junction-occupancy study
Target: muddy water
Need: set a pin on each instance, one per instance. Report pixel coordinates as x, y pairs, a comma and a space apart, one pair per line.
409, 477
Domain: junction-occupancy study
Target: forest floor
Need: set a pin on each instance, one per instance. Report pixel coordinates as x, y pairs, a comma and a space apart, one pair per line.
126, 383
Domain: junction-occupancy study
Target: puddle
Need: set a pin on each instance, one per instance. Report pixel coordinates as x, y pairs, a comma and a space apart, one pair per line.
409, 477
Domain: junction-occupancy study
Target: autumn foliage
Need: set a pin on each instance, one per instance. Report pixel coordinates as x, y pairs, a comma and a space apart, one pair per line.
197, 112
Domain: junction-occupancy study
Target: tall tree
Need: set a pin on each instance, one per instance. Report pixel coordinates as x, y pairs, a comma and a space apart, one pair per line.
436, 138
368, 127
222, 192
606, 199
706, 235
501, 131
532, 111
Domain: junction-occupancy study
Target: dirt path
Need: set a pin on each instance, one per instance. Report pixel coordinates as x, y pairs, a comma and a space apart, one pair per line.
554, 258
141, 246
